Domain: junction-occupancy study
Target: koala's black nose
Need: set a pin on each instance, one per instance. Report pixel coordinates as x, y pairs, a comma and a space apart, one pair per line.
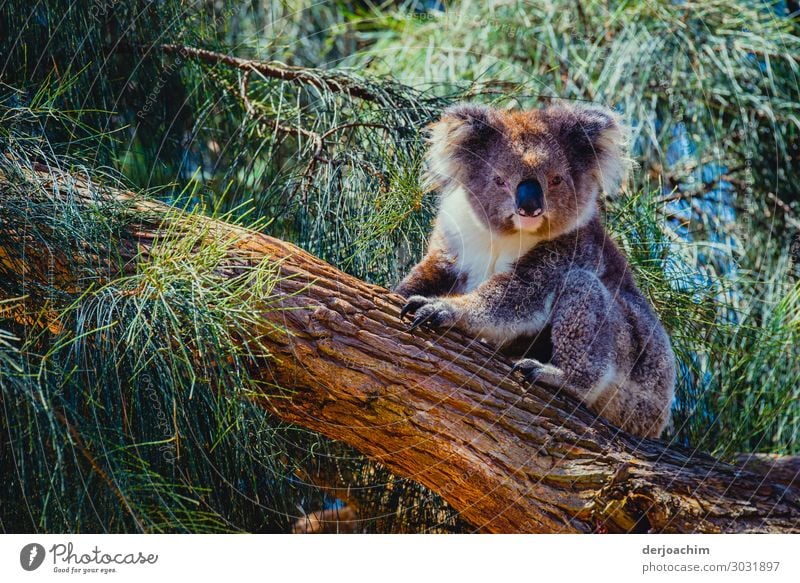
530, 198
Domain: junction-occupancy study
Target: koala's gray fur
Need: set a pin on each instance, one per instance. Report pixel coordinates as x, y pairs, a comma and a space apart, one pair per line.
508, 275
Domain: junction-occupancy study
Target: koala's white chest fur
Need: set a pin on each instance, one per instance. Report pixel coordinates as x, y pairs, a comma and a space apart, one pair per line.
478, 252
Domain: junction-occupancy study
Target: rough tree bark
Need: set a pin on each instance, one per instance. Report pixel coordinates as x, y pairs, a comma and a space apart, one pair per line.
445, 410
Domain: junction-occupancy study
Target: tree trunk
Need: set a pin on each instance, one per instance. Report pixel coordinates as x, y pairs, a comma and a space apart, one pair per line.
445, 410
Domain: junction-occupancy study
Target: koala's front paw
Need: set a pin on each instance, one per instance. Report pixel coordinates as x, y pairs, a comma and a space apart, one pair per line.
413, 303
431, 312
534, 371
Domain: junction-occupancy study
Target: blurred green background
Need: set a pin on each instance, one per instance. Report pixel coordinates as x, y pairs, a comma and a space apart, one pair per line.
329, 157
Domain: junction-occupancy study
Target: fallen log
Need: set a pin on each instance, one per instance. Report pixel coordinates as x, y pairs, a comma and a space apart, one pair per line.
442, 409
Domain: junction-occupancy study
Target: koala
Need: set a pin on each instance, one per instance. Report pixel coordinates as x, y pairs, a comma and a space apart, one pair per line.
518, 251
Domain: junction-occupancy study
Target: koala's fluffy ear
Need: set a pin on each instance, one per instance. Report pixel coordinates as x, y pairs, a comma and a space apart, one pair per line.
462, 132
595, 139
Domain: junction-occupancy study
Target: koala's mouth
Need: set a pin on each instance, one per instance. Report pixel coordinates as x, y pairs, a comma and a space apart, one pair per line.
529, 221
533, 213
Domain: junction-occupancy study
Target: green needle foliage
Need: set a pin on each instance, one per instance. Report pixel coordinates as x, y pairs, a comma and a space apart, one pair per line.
126, 397
128, 405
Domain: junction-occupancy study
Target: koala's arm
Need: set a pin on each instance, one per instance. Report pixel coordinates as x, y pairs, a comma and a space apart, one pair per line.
501, 308
433, 276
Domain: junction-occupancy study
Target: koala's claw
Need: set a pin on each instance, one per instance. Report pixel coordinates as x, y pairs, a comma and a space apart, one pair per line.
413, 303
418, 321
530, 368
429, 313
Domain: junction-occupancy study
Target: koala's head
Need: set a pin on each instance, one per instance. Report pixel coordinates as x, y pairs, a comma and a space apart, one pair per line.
537, 171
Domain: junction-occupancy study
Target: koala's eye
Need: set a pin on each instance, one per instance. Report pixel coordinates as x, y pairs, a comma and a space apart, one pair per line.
556, 180
499, 181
